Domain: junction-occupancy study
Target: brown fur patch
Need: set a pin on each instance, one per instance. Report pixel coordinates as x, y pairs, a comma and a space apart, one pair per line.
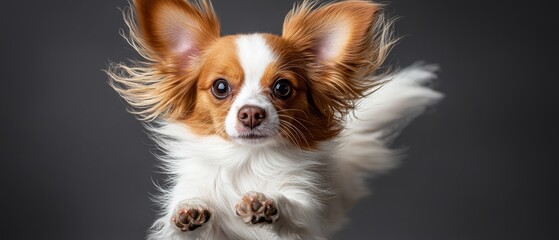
219, 61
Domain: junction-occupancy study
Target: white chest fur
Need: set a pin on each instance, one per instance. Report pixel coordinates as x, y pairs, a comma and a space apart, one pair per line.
217, 173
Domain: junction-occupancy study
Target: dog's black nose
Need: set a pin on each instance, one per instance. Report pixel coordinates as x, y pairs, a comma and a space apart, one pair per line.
251, 116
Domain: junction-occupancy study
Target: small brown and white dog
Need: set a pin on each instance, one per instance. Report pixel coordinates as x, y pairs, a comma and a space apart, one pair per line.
265, 136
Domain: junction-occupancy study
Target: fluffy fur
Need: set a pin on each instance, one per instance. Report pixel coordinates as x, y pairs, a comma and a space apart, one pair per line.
306, 162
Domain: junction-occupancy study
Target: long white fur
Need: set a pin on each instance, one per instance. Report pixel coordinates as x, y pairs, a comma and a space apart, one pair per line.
378, 119
313, 190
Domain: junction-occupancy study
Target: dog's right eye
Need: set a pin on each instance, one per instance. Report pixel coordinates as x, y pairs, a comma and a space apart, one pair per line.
220, 88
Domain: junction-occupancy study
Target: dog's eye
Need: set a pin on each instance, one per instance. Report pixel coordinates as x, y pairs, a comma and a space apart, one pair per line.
282, 88
220, 88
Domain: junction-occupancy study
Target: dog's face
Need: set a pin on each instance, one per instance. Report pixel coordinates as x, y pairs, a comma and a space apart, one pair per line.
251, 89
260, 88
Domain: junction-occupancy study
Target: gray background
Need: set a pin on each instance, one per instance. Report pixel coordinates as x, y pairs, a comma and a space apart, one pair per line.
482, 165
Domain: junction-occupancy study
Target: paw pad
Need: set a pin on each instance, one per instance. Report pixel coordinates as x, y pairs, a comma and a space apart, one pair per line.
256, 208
188, 219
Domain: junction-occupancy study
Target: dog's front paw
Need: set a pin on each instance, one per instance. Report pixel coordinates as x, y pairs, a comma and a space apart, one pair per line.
255, 208
188, 217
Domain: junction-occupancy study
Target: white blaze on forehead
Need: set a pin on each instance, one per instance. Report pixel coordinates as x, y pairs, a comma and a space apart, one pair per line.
254, 55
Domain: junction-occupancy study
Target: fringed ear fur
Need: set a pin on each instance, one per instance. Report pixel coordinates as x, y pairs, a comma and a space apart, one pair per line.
345, 43
171, 35
177, 30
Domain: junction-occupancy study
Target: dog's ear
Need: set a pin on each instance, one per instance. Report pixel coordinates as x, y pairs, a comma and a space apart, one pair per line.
343, 42
334, 33
176, 30
171, 35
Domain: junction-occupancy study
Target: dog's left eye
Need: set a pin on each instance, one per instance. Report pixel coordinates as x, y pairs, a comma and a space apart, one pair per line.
220, 88
282, 88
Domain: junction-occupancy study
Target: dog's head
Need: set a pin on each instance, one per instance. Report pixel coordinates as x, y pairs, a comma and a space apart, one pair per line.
253, 89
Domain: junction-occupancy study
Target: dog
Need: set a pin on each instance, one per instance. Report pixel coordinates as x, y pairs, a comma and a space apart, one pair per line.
265, 136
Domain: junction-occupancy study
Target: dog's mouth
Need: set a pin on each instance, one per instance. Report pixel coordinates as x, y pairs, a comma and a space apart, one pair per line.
252, 136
